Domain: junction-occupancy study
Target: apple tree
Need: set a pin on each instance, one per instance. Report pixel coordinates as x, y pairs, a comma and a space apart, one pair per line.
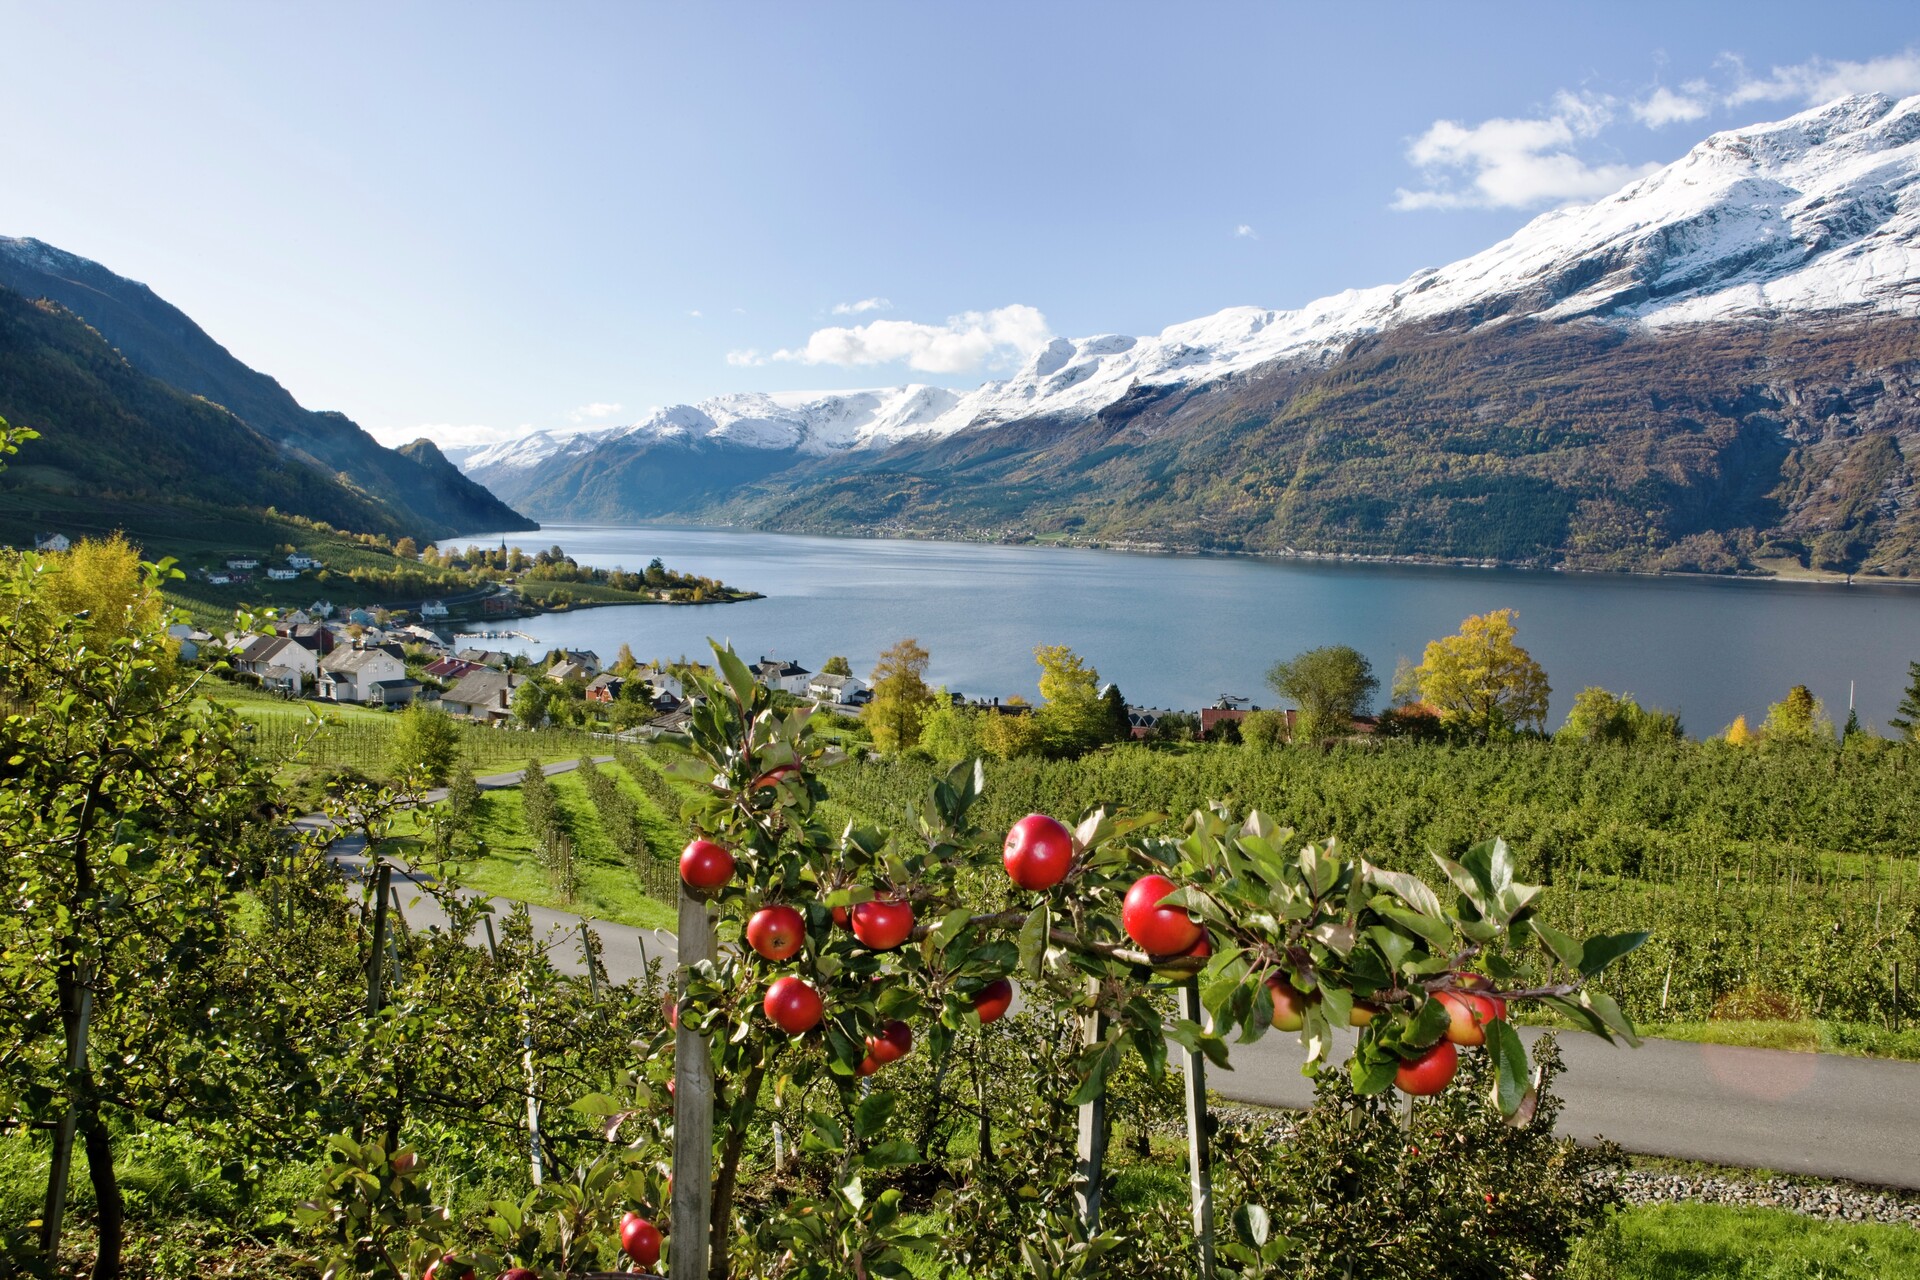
889, 945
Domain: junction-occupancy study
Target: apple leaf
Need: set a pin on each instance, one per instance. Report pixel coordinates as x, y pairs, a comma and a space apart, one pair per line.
738, 676
1252, 1225
1466, 882
1601, 952
1428, 1025
1603, 1007
1372, 1071
1564, 949
1508, 1058
1409, 889
1152, 1047
894, 1153
1094, 1083
1033, 941
871, 1113
949, 927
1338, 1002
1436, 932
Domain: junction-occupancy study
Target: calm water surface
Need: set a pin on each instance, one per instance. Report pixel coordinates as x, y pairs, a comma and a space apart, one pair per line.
1179, 631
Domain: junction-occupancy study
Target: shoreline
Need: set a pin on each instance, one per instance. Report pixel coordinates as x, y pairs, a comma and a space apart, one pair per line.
1805, 577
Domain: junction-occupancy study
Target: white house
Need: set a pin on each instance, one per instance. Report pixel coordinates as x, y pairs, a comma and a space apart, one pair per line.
278, 662
302, 562
363, 675
321, 608
777, 673
219, 579
484, 695
282, 575
52, 542
244, 562
433, 609
837, 689
662, 679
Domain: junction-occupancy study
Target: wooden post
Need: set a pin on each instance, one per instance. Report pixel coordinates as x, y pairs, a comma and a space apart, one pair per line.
1896, 995
1090, 1153
62, 1168
377, 958
1199, 1172
692, 1110
536, 1158
586, 952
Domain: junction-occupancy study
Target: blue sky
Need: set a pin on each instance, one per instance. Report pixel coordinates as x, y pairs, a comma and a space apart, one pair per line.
467, 219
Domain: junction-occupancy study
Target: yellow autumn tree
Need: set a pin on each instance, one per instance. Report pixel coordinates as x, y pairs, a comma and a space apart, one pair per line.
1482, 683
900, 696
101, 578
1738, 734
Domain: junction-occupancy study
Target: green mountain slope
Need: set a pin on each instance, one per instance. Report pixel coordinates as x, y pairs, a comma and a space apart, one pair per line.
1586, 445
429, 495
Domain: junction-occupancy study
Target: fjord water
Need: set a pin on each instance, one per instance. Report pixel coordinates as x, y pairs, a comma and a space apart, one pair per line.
1179, 631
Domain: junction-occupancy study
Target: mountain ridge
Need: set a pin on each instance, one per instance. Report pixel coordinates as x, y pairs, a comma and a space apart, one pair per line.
1807, 226
425, 494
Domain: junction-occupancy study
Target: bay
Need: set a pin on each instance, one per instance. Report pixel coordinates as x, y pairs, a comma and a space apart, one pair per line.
1180, 631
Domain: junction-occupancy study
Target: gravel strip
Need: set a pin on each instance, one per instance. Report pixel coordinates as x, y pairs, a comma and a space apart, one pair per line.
1830, 1201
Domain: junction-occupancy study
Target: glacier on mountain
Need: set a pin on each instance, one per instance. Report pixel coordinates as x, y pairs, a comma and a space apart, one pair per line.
1816, 213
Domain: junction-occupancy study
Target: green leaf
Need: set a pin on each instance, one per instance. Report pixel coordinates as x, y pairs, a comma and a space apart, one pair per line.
1251, 1225
1094, 1082
871, 1113
1152, 1048
1609, 1013
738, 676
1409, 889
1564, 948
1601, 952
1511, 1070
1437, 934
1465, 881
949, 927
1033, 941
1372, 1071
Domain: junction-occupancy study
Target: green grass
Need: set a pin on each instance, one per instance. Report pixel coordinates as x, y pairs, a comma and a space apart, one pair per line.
509, 869
1852, 1039
1717, 1242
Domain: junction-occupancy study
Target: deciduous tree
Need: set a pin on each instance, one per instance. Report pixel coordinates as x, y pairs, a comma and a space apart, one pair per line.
1482, 683
1331, 685
900, 696
1073, 719
425, 743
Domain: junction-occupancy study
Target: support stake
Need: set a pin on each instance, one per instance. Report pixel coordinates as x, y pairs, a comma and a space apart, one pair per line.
692, 1110
377, 959
1090, 1153
62, 1168
1199, 1172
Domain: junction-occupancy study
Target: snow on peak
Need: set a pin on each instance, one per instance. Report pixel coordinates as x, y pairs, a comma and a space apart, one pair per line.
1816, 213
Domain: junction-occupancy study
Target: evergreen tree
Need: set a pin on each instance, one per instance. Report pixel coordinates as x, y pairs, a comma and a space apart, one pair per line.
1119, 727
1904, 723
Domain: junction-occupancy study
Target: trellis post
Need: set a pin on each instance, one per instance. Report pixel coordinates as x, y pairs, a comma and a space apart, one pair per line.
377, 958
1090, 1153
1199, 1172
692, 1110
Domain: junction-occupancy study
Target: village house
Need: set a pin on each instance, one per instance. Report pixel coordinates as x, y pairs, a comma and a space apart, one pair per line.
282, 575
188, 638
586, 659
777, 673
310, 636
433, 609
298, 561
453, 668
52, 542
484, 695
484, 657
504, 603
279, 663
321, 608
371, 675
605, 687
565, 672
243, 562
840, 690
1143, 720
219, 579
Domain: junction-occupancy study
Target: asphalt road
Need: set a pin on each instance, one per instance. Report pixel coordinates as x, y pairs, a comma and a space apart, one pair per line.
1816, 1114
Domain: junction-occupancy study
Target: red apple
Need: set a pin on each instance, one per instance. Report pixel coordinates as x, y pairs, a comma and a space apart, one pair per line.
1160, 931
992, 1000
1468, 1014
883, 923
519, 1273
672, 1007
641, 1239
894, 1042
841, 916
1289, 1005
793, 1006
1362, 1013
1038, 852
869, 1065
705, 866
1429, 1073
777, 932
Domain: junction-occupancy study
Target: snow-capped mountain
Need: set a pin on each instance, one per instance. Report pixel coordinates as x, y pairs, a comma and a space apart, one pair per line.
1814, 214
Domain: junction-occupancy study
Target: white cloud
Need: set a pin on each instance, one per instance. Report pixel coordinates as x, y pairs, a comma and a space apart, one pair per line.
696, 314
591, 412
1515, 164
862, 307
1664, 106
1245, 232
965, 342
746, 359
1821, 80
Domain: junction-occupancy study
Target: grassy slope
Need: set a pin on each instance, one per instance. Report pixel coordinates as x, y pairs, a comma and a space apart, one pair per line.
1713, 1242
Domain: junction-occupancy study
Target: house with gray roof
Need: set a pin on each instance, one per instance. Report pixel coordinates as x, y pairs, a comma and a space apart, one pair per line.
365, 675
485, 695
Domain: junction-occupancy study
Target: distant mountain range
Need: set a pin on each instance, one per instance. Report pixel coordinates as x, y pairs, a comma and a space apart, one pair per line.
1716, 367
132, 398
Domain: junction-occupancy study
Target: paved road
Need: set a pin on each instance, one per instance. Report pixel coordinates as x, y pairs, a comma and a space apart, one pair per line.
1807, 1113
